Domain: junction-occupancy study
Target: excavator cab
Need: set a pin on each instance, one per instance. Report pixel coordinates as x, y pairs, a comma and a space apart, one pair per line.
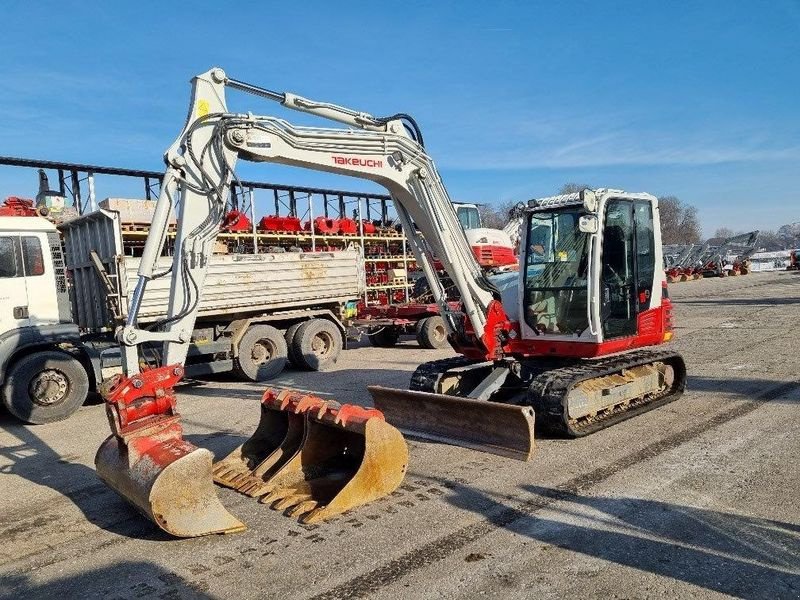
590, 304
589, 268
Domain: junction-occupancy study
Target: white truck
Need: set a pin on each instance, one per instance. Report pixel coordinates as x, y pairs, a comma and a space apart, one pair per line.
64, 290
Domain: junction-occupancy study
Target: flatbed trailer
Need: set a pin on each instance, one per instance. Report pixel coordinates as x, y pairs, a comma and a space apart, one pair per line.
386, 323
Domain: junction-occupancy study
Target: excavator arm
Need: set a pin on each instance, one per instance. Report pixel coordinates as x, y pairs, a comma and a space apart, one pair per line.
201, 166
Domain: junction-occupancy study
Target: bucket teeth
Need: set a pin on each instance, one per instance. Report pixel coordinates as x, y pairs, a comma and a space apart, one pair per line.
290, 500
315, 458
302, 508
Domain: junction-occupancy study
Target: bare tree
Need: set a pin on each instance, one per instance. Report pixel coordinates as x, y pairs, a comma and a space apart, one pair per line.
724, 232
495, 216
572, 188
679, 223
771, 241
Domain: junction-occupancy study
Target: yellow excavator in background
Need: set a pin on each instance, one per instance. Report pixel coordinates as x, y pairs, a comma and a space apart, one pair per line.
567, 339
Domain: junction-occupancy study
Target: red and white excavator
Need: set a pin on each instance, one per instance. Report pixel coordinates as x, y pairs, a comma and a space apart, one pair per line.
571, 338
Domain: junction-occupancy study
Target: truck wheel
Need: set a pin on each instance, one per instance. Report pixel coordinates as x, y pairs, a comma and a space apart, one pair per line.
289, 337
45, 387
316, 345
431, 333
384, 337
262, 354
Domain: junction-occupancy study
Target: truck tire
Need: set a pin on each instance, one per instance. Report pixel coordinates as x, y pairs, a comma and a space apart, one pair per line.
384, 337
431, 333
316, 345
289, 337
262, 354
46, 386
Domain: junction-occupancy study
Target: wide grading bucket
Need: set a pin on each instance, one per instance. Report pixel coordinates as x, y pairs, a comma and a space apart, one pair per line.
315, 458
167, 479
502, 429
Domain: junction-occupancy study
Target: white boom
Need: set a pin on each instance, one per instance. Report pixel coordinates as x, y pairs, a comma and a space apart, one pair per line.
200, 168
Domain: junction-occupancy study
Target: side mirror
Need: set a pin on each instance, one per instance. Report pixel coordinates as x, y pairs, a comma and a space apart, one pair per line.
589, 199
588, 224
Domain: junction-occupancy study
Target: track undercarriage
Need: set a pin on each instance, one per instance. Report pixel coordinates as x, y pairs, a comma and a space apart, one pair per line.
570, 397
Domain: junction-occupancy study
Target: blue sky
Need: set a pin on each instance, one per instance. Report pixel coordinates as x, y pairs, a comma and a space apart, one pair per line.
696, 99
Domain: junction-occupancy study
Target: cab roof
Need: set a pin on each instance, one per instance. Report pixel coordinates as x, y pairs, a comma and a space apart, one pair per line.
25, 224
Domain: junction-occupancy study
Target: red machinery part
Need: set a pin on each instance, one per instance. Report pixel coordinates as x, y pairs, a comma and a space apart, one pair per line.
347, 226
322, 225
17, 207
277, 223
236, 221
146, 395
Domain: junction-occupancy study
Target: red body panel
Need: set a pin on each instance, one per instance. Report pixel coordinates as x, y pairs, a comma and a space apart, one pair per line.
494, 256
654, 327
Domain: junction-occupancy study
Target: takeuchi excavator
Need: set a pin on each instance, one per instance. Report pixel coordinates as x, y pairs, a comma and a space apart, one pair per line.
567, 343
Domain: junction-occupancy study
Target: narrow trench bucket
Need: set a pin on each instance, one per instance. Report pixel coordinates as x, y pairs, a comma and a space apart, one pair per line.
494, 427
314, 458
167, 479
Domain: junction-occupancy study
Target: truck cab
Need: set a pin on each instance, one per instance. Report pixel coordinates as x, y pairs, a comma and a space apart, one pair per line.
33, 289
39, 343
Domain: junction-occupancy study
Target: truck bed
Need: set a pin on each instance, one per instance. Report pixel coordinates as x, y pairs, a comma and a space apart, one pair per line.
245, 283
236, 284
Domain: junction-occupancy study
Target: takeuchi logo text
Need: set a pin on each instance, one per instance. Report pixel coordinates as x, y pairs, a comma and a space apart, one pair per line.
357, 162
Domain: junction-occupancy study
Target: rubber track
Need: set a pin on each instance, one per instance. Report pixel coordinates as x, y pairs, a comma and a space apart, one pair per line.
427, 374
549, 389
553, 379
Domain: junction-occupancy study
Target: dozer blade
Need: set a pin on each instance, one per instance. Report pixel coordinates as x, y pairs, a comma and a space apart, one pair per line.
502, 429
314, 458
168, 480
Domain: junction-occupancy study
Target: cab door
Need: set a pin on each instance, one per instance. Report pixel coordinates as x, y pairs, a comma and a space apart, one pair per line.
628, 266
618, 306
14, 308
37, 270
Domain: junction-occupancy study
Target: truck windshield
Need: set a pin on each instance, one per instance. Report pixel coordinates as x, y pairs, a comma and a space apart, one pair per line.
556, 267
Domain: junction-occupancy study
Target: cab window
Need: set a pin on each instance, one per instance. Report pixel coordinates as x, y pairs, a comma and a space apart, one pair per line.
32, 258
8, 257
469, 217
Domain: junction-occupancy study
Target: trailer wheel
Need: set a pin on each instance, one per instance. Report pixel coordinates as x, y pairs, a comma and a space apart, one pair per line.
289, 337
317, 345
262, 354
431, 333
45, 387
383, 337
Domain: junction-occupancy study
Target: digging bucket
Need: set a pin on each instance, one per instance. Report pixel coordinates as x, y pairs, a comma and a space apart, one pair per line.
167, 479
276, 441
330, 457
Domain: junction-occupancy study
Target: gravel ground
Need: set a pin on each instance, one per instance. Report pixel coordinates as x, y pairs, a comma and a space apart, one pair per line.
694, 499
